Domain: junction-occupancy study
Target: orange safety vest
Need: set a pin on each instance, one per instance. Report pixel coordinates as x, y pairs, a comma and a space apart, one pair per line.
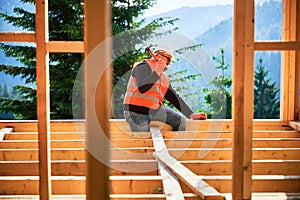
153, 97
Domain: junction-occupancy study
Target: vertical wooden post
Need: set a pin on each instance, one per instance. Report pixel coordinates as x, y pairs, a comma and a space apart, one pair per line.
243, 98
43, 100
288, 69
97, 98
297, 89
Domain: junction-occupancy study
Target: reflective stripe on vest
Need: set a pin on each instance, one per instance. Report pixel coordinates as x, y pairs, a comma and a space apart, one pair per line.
153, 97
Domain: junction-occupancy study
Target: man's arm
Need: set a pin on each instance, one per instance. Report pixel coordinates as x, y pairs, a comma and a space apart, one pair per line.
145, 78
178, 102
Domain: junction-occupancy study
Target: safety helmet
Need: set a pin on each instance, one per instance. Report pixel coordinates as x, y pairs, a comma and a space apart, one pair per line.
165, 51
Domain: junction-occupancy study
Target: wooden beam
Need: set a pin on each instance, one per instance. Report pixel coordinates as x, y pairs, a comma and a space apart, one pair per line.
17, 37
31, 168
171, 186
67, 185
65, 46
297, 67
97, 28
277, 46
43, 99
243, 95
288, 69
196, 184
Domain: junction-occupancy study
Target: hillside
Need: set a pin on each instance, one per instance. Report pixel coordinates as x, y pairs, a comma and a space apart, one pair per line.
194, 21
267, 27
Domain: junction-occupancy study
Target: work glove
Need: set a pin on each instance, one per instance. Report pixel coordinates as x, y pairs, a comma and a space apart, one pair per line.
198, 116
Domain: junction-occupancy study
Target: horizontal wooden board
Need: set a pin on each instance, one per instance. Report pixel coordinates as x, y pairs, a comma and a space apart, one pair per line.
146, 153
33, 144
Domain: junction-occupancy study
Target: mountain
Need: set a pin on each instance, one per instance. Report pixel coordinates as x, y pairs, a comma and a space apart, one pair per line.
210, 26
193, 21
268, 26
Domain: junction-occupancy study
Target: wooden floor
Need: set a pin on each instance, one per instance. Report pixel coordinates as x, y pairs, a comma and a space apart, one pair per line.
204, 149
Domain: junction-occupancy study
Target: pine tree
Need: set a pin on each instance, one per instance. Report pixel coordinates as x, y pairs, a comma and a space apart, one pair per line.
65, 23
219, 99
129, 36
5, 92
266, 103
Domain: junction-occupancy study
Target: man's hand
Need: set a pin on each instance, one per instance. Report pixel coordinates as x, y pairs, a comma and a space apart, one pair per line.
198, 116
160, 66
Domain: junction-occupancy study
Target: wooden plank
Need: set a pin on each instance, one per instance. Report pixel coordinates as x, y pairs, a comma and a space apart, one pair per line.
136, 184
211, 153
30, 185
205, 134
43, 98
32, 154
36, 197
260, 167
4, 131
262, 183
34, 136
201, 142
171, 186
30, 168
65, 46
197, 185
32, 144
56, 125
116, 125
133, 167
149, 167
182, 154
17, 37
11, 185
187, 196
277, 46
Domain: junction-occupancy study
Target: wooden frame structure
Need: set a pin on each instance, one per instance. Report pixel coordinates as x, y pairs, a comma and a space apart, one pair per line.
242, 123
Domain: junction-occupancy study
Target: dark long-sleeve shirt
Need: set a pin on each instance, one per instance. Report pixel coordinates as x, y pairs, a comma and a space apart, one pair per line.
145, 79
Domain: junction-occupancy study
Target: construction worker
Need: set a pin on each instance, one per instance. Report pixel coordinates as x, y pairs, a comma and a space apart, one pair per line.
147, 87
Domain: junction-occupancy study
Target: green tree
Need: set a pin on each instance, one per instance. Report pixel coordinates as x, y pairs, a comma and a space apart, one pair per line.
5, 92
130, 34
65, 23
182, 83
266, 103
219, 98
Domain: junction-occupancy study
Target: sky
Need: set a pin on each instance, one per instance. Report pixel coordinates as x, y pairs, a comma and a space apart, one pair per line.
167, 5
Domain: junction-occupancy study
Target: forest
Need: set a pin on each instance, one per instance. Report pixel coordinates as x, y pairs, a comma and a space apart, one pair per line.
66, 23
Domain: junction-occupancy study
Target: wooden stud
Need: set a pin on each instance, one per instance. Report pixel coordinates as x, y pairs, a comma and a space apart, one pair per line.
243, 89
43, 98
97, 96
297, 66
288, 69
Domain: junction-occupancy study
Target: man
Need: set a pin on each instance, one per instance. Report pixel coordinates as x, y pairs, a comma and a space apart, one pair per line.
147, 87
